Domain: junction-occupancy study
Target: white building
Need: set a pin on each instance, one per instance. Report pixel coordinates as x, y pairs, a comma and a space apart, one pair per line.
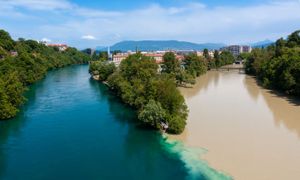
237, 49
118, 58
61, 47
201, 53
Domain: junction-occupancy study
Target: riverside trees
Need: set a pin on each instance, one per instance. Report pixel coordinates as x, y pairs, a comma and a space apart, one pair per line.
29, 64
221, 59
183, 72
154, 95
102, 69
278, 66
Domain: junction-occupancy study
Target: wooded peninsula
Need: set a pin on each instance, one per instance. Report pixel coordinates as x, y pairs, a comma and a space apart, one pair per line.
151, 88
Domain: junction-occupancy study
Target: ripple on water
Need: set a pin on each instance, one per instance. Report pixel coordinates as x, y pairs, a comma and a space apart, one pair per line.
197, 168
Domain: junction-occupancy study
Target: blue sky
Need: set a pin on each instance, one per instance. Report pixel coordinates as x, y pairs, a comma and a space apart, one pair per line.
87, 23
133, 4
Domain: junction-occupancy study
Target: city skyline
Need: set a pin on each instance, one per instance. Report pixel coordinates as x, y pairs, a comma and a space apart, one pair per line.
89, 24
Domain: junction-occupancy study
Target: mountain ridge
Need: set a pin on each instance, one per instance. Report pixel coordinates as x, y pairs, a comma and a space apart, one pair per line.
156, 45
263, 43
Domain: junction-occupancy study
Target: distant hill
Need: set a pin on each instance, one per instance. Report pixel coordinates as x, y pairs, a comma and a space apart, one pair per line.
162, 45
264, 43
98, 48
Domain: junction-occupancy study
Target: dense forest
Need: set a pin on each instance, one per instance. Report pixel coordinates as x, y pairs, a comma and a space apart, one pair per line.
22, 63
278, 66
154, 94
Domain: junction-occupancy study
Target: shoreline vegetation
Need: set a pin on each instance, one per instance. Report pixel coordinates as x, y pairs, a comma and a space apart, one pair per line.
22, 63
277, 66
152, 92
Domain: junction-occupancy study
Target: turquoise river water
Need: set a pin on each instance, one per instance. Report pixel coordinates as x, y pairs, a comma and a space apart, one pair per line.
72, 128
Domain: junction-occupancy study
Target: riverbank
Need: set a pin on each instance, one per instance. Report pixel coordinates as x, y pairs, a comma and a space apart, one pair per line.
247, 131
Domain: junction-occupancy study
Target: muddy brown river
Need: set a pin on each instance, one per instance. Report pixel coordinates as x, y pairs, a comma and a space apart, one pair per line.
249, 132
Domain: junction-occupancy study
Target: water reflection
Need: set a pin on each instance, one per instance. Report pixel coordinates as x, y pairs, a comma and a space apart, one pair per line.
11, 129
253, 90
202, 84
285, 110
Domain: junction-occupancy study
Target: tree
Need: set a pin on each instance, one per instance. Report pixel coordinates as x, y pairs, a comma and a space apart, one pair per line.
194, 65
102, 69
103, 55
174, 104
152, 114
6, 42
255, 61
280, 43
139, 85
216, 55
294, 39
183, 78
11, 91
244, 56
206, 54
278, 66
226, 57
95, 57
170, 63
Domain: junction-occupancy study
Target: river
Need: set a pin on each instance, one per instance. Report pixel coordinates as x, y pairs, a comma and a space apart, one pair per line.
246, 131
73, 128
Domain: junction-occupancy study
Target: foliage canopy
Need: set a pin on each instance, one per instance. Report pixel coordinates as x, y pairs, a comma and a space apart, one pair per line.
278, 66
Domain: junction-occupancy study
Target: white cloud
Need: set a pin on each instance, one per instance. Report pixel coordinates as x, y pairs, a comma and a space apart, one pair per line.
38, 4
196, 22
192, 22
88, 37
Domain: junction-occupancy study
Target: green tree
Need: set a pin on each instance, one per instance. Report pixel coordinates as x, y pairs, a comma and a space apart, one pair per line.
102, 69
183, 78
152, 114
255, 61
103, 55
194, 65
216, 55
280, 44
278, 66
95, 57
6, 42
139, 85
294, 39
170, 63
226, 57
206, 54
11, 91
244, 56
